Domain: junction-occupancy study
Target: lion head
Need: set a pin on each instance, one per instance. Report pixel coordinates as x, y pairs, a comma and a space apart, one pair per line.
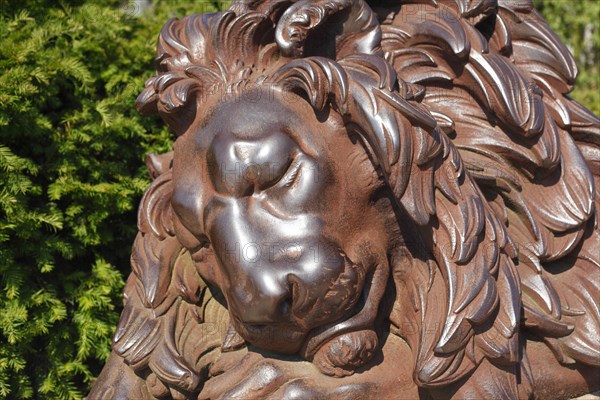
308, 188
312, 188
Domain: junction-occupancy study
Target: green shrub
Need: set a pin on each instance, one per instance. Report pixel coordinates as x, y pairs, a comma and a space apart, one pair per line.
71, 175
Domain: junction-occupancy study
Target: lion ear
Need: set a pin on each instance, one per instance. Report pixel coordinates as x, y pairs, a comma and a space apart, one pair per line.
158, 164
155, 214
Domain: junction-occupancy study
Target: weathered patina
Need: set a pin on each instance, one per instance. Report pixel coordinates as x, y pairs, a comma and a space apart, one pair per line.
395, 200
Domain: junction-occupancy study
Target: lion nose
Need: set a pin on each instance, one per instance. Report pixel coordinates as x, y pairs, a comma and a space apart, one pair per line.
266, 300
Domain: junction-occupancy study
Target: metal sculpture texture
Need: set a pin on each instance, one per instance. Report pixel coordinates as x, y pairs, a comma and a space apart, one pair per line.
393, 200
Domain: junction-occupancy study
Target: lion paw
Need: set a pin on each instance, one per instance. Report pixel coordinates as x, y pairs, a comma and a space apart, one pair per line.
345, 353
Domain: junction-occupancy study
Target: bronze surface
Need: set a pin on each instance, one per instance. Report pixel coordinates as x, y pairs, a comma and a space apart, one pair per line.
386, 201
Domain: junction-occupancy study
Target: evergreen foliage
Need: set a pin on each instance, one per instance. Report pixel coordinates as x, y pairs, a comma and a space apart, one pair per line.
72, 174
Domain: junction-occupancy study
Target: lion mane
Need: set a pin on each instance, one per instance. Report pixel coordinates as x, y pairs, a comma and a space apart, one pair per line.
463, 108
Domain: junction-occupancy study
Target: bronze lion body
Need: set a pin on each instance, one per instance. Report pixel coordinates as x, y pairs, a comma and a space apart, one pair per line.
392, 200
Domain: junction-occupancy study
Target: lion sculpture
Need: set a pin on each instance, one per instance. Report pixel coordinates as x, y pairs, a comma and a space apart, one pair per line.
395, 200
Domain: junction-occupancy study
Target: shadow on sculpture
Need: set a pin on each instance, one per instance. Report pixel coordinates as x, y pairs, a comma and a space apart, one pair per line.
398, 203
